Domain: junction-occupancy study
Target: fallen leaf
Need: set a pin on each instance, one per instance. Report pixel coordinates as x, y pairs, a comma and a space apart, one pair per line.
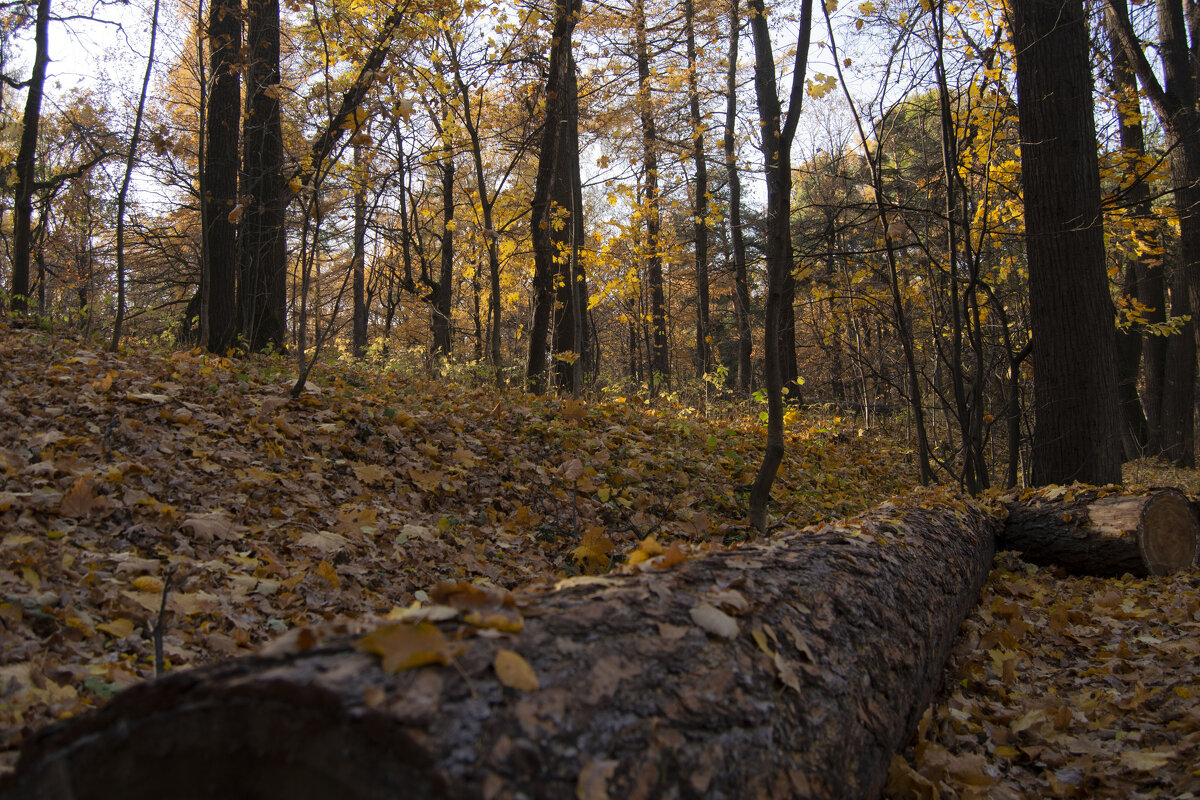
593, 780
81, 499
405, 646
514, 671
120, 628
713, 620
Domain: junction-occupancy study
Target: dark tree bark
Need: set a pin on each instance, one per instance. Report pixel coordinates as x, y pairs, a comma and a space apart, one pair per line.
1176, 102
741, 282
776, 144
1077, 423
358, 260
1143, 277
24, 163
570, 342
1151, 534
791, 668
262, 276
660, 356
221, 171
700, 209
443, 289
554, 189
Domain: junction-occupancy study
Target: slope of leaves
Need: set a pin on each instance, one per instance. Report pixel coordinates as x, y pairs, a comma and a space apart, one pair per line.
1064, 686
186, 492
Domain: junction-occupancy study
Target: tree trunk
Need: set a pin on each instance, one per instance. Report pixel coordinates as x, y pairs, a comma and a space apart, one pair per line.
221, 172
1174, 100
552, 194
741, 282
1077, 424
778, 133
792, 668
1151, 534
700, 212
443, 290
262, 279
659, 358
569, 341
358, 261
1143, 272
24, 163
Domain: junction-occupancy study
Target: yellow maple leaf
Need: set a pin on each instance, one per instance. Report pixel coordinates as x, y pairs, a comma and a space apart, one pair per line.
593, 551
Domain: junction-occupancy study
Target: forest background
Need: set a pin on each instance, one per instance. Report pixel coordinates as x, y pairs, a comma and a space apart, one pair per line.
379, 182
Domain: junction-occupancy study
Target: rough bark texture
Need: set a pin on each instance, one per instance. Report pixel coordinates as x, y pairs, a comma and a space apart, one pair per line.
24, 165
1151, 534
553, 191
838, 639
262, 243
1076, 434
221, 173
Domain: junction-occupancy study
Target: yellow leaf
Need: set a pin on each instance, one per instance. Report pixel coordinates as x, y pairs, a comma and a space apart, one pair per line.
31, 577
406, 646
120, 628
515, 672
105, 383
147, 583
498, 619
593, 551
329, 574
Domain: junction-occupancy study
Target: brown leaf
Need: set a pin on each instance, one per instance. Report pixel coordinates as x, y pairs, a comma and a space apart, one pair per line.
81, 499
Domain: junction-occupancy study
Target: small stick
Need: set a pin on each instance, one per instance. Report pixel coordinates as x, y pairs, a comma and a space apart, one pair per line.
157, 630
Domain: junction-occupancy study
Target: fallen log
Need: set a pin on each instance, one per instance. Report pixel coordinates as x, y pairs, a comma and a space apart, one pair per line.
1088, 533
794, 667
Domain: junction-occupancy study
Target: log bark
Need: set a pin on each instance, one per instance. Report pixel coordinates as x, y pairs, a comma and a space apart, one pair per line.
1155, 533
793, 667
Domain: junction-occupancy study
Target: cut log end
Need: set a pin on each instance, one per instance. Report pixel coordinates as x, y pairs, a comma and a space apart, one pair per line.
1155, 533
1168, 540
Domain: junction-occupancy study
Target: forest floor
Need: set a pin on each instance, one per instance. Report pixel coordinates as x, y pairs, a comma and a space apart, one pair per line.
177, 489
